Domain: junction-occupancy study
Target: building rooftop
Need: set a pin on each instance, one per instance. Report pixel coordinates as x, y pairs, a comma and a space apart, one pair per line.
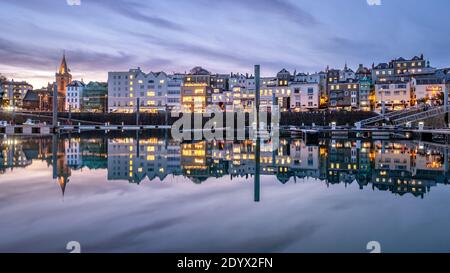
76, 84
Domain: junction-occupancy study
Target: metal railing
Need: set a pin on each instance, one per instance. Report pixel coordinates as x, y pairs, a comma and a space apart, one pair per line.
391, 115
436, 111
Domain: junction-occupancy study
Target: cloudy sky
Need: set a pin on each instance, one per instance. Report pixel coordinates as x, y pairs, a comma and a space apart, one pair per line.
220, 35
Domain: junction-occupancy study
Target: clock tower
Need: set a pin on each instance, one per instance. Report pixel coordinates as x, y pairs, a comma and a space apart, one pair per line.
63, 77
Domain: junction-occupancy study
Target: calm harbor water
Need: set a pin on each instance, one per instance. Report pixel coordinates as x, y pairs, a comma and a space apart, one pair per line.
148, 193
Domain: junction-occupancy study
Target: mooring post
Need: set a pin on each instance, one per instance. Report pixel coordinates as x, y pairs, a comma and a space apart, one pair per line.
166, 116
138, 147
138, 109
55, 106
257, 185
257, 95
55, 155
257, 147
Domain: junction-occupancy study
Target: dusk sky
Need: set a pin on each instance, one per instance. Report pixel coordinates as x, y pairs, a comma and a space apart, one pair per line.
222, 35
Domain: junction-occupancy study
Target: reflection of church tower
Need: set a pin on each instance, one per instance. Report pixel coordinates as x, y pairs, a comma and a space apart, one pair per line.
63, 77
62, 181
61, 171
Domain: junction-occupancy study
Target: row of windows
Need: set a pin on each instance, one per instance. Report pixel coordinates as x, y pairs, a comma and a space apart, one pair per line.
412, 64
310, 104
349, 86
397, 86
388, 93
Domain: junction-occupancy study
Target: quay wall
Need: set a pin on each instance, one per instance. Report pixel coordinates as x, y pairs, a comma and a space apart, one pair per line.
306, 118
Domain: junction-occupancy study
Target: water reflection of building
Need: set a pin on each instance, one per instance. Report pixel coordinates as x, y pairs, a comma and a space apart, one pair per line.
133, 161
342, 162
196, 160
72, 150
20, 153
396, 167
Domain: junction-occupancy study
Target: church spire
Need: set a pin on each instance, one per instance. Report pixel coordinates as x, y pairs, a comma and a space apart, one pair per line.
63, 67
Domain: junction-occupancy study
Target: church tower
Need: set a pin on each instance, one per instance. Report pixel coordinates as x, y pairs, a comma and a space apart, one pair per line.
63, 77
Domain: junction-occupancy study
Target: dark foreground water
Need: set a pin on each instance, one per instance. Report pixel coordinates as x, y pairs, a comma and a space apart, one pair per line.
112, 194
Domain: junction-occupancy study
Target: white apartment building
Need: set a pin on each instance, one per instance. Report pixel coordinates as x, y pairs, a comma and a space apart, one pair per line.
154, 91
242, 89
74, 95
305, 96
174, 83
428, 88
237, 80
396, 95
270, 90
